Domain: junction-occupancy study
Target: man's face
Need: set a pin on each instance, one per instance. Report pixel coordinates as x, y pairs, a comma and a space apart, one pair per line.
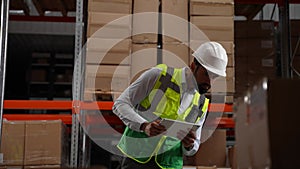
203, 78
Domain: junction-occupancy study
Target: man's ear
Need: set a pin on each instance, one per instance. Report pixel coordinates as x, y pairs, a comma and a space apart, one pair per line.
192, 66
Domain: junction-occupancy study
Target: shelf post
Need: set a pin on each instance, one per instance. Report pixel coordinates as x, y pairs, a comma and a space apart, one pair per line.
285, 34
79, 140
3, 52
76, 85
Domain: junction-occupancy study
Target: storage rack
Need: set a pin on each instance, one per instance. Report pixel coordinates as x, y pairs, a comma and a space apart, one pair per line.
105, 105
72, 105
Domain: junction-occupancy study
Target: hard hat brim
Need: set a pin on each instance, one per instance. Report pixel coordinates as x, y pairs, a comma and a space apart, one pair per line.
211, 69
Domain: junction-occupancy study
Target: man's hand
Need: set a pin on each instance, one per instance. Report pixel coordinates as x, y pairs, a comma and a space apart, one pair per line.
187, 138
153, 128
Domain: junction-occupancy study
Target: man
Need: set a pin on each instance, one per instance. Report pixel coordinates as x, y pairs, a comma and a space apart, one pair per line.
165, 92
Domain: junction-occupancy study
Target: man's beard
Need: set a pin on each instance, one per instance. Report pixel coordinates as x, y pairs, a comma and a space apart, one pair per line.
201, 89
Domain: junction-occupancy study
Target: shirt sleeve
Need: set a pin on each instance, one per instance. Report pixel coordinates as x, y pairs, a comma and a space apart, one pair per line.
196, 146
124, 106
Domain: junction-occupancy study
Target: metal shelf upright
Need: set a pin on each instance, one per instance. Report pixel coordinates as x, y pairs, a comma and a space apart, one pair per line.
4, 11
76, 156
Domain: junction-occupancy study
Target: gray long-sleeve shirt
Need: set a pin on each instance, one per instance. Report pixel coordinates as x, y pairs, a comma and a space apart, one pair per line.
124, 106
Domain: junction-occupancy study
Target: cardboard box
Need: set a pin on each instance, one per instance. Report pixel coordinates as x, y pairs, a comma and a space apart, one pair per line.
102, 18
144, 56
216, 28
231, 62
175, 20
254, 29
228, 45
107, 77
176, 54
145, 25
106, 83
108, 32
250, 69
38, 75
12, 143
108, 51
104, 45
255, 47
264, 137
212, 7
42, 166
11, 167
123, 6
212, 152
46, 143
112, 58
107, 70
110, 25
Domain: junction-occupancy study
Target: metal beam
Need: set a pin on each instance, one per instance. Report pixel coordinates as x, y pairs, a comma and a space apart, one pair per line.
3, 52
38, 7
285, 41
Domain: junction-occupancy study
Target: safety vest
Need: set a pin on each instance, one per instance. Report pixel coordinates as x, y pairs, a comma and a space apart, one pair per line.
163, 101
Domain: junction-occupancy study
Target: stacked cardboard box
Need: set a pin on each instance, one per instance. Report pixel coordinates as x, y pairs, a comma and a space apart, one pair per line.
175, 31
212, 20
145, 36
212, 152
108, 46
29, 144
255, 53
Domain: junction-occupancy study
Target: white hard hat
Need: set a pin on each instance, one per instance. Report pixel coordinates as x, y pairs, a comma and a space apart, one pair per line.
213, 57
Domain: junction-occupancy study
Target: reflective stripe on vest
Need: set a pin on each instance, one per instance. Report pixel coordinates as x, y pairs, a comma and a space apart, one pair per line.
166, 82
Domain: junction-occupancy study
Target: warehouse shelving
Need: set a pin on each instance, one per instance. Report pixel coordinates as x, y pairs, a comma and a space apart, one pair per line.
67, 119
72, 105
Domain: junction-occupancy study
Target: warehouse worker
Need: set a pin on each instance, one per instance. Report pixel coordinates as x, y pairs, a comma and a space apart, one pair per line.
173, 93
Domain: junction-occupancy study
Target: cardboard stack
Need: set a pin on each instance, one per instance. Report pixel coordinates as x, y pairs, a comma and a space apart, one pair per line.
212, 20
255, 53
34, 144
108, 46
145, 35
175, 33
212, 152
295, 43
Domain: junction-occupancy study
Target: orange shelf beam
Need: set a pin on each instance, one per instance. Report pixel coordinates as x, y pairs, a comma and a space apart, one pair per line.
69, 105
104, 105
38, 104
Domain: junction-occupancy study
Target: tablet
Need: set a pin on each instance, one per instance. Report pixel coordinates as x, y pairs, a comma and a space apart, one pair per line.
173, 126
